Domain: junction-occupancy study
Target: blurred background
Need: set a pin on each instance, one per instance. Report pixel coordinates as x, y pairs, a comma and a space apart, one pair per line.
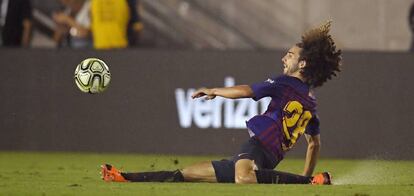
378, 25
159, 51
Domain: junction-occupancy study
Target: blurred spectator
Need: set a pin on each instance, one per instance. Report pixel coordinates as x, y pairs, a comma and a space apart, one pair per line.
411, 21
135, 25
73, 24
113, 22
15, 22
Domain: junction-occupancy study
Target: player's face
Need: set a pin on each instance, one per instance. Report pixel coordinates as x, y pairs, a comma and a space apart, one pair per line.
291, 61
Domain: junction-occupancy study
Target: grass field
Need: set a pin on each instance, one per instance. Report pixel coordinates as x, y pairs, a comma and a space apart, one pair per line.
78, 174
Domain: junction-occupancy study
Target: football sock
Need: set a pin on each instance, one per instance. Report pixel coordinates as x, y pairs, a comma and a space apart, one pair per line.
268, 176
159, 176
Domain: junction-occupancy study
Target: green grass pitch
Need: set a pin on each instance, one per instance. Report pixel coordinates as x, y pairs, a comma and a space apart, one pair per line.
30, 173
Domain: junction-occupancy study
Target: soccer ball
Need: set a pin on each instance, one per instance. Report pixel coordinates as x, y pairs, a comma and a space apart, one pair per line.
92, 76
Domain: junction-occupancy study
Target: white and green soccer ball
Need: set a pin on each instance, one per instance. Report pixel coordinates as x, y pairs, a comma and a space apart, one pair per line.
92, 76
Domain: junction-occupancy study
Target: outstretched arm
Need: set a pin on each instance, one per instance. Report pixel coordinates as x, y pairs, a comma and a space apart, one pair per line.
314, 144
234, 92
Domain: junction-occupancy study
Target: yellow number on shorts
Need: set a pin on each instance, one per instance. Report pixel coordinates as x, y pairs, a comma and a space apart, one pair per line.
297, 118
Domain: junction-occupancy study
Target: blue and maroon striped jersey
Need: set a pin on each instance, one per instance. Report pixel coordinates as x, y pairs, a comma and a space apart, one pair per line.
291, 112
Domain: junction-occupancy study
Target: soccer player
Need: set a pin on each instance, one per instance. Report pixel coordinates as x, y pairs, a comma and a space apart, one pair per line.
290, 114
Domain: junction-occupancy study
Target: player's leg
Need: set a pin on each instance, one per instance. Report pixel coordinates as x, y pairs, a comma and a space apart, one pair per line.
156, 176
111, 174
255, 165
246, 172
269, 176
199, 172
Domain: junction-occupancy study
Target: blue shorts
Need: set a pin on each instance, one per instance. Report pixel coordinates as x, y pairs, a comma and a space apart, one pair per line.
252, 150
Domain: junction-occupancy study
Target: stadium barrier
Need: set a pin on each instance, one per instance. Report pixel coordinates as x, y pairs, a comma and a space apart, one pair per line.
367, 112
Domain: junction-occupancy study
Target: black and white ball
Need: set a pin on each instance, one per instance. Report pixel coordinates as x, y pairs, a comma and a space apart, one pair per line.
92, 76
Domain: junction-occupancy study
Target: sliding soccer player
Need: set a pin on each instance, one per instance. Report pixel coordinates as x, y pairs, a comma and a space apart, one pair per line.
290, 114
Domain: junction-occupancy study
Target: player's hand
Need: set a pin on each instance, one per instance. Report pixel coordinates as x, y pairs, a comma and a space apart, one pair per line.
208, 93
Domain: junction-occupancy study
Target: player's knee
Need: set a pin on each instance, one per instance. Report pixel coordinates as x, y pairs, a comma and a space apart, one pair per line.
244, 172
245, 178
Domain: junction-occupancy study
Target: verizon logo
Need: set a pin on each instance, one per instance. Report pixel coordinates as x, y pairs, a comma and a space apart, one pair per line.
216, 113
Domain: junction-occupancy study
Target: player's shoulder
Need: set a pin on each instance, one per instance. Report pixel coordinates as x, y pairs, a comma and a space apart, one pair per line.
287, 80
276, 79
282, 81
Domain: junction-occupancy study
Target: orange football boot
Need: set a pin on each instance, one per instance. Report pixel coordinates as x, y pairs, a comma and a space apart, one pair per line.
322, 179
111, 174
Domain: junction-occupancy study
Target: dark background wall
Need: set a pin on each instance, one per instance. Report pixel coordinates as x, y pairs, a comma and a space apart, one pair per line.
366, 112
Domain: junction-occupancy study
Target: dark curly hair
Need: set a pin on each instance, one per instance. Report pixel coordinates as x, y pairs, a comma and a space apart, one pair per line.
319, 52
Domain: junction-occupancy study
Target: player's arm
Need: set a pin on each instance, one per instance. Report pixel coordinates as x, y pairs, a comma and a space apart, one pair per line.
234, 92
314, 145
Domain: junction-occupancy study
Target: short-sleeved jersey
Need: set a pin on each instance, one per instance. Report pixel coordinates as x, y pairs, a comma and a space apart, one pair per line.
290, 114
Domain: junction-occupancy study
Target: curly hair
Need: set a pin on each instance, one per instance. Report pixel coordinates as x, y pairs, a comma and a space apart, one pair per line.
319, 52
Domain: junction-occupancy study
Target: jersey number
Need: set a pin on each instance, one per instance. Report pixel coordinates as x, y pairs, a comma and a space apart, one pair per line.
297, 118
